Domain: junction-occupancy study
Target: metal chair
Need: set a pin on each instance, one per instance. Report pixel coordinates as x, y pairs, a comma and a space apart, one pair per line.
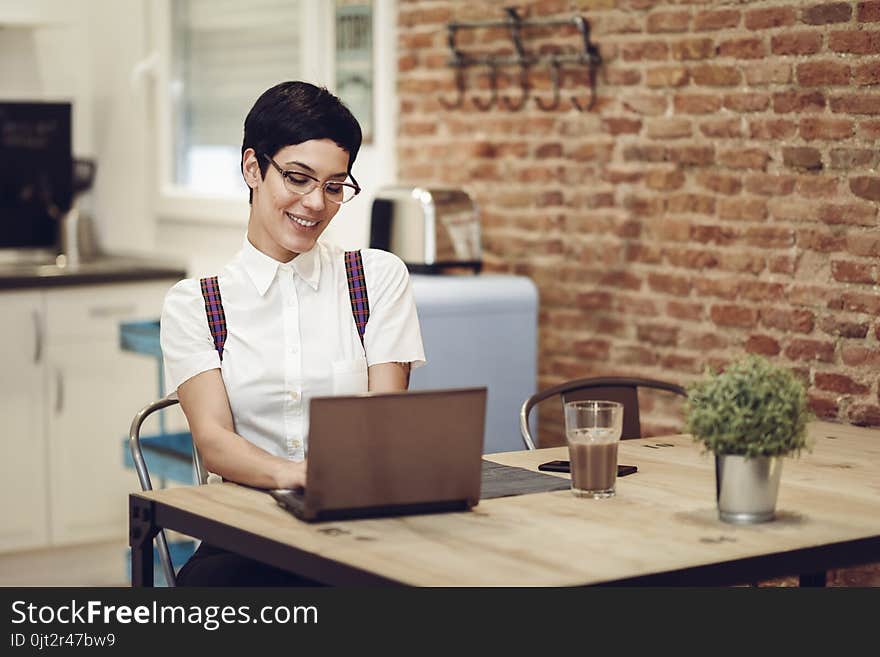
620, 389
137, 455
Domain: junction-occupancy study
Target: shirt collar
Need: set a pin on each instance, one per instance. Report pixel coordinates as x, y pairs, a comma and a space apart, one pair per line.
262, 268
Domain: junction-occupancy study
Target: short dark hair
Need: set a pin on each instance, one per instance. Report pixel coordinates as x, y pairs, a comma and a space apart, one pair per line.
294, 112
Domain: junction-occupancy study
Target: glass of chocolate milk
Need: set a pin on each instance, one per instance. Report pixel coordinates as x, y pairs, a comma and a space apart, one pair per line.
592, 430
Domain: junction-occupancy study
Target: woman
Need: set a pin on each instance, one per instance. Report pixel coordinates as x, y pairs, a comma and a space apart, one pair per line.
290, 333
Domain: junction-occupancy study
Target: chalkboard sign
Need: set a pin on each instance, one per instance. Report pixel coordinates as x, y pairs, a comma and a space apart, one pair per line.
35, 172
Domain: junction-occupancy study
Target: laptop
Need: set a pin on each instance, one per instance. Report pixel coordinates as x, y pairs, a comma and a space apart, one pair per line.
385, 454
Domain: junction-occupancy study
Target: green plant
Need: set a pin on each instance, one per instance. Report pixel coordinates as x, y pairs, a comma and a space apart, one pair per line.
752, 408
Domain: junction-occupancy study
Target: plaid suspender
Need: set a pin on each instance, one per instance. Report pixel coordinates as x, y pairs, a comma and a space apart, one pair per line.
357, 291
214, 311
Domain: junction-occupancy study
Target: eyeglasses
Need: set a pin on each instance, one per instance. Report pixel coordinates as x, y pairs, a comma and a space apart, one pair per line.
302, 184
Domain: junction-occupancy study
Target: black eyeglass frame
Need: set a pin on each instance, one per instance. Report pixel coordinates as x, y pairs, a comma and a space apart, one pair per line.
287, 172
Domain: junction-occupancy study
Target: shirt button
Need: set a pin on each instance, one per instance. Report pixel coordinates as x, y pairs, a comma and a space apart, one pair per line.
294, 395
296, 443
294, 348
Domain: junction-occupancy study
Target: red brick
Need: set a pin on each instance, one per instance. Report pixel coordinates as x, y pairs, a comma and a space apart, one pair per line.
761, 19
852, 272
861, 303
761, 290
775, 129
622, 77
716, 19
820, 240
869, 130
592, 349
678, 363
854, 158
622, 279
865, 74
820, 128
805, 349
621, 125
658, 334
670, 230
716, 76
723, 288
691, 155
796, 43
769, 184
722, 128
762, 344
795, 101
740, 209
811, 295
869, 12
644, 207
864, 415
853, 214
634, 355
743, 48
644, 104
703, 342
866, 187
789, 210
644, 50
691, 203
799, 157
770, 237
668, 21
839, 383
798, 321
723, 184
741, 261
714, 233
732, 315
856, 104
856, 355
748, 102
863, 243
818, 187
591, 152
772, 72
670, 284
783, 264
643, 253
638, 306
823, 408
668, 128
693, 49
696, 104
616, 176
855, 42
691, 258
686, 311
821, 74
822, 14
744, 158
833, 326
594, 300
667, 76
665, 180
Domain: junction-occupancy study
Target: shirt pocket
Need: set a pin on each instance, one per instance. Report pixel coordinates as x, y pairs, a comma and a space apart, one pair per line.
350, 376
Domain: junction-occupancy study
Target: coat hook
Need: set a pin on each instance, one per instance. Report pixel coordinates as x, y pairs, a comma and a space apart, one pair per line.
554, 76
460, 86
591, 59
493, 86
524, 86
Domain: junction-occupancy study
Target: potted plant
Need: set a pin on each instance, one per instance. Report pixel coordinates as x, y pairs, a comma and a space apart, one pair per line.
750, 415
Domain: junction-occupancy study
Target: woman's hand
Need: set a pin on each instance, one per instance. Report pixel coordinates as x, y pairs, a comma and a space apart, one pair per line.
290, 474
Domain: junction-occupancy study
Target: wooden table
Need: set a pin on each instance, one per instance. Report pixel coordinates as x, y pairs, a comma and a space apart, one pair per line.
662, 527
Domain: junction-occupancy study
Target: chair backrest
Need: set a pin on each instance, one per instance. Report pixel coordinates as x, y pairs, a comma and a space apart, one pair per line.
137, 455
620, 389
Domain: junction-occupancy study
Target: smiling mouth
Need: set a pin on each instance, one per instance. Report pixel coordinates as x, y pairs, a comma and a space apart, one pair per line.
305, 223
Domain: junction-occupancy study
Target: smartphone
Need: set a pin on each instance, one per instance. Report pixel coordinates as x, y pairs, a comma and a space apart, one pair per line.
565, 466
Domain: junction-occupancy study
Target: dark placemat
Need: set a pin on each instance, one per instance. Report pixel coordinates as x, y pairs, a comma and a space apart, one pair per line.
505, 480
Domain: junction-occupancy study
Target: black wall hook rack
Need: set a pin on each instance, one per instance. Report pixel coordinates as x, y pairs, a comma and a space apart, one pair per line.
459, 61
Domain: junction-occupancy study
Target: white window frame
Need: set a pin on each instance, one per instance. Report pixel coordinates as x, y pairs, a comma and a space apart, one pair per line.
177, 203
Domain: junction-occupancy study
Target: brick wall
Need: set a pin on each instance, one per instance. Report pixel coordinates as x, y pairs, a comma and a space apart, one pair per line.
720, 198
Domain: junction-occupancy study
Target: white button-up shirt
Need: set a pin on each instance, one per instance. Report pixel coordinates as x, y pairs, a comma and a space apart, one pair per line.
290, 337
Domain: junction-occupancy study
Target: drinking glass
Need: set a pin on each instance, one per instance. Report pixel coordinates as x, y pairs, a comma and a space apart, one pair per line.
592, 431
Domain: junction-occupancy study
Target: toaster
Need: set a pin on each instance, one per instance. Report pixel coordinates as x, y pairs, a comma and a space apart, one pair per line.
431, 229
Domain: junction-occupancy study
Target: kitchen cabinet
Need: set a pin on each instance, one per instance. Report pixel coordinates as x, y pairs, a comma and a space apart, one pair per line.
69, 394
23, 472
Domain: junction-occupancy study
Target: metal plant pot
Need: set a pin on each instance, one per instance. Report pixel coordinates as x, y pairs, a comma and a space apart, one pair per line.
746, 489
